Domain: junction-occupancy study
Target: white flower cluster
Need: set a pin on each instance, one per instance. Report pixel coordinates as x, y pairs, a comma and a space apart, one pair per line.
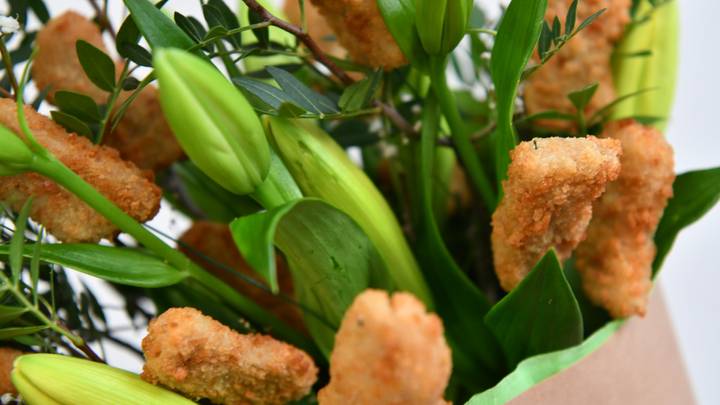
8, 25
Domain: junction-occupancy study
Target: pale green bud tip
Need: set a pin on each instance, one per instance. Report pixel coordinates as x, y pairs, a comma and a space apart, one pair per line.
212, 120
45, 379
15, 155
441, 24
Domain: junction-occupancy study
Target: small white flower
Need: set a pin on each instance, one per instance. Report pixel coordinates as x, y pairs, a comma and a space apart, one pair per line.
8, 25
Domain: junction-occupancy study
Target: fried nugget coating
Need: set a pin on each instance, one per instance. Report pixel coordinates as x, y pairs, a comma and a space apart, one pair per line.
360, 28
64, 215
143, 135
551, 185
615, 261
388, 350
202, 358
7, 358
316, 26
584, 60
214, 240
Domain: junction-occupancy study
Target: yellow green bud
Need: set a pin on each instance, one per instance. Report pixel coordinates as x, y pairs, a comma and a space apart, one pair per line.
322, 169
212, 120
15, 155
45, 379
654, 74
441, 24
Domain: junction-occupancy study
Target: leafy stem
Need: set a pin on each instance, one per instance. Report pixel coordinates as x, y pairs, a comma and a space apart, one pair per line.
110, 104
7, 61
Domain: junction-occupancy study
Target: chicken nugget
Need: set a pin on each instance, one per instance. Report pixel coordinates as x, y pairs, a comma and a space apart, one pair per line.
7, 358
202, 358
551, 185
213, 240
615, 261
143, 135
62, 213
584, 60
360, 28
316, 26
388, 350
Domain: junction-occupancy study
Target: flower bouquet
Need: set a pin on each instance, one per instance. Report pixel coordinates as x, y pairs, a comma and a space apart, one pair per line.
391, 201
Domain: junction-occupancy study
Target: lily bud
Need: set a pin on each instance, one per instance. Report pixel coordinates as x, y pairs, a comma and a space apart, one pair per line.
55, 379
212, 120
322, 169
15, 155
441, 24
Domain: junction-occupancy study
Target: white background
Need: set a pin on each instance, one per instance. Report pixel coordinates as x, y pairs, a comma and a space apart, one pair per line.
691, 279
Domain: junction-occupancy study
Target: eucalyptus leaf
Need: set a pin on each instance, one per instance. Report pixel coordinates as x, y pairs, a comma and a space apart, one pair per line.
300, 94
11, 333
98, 67
540, 315
125, 266
71, 123
157, 28
78, 105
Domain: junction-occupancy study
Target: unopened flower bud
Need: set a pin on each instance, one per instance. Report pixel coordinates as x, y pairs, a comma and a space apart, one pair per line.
441, 24
15, 155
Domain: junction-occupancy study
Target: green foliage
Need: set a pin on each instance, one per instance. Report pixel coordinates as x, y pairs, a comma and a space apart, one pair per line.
360, 93
157, 28
98, 67
399, 16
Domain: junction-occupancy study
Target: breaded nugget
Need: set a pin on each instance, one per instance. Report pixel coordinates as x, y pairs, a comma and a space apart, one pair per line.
316, 26
143, 135
388, 350
551, 185
7, 358
582, 61
63, 214
214, 240
360, 28
202, 358
615, 260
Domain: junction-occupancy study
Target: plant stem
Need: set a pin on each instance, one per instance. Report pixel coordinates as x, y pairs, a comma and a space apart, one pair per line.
52, 168
7, 61
111, 105
460, 134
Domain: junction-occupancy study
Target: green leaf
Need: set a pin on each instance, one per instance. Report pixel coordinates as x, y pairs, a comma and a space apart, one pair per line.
556, 29
125, 266
18, 241
262, 34
8, 313
571, 17
330, 258
359, 94
269, 94
540, 315
157, 28
72, 123
215, 16
582, 97
300, 94
545, 41
78, 105
191, 26
607, 109
127, 34
98, 67
516, 38
589, 20
10, 333
137, 54
694, 194
399, 17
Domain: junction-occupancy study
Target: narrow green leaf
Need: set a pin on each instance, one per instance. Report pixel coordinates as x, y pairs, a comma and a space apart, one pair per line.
359, 94
98, 67
35, 271
18, 241
157, 28
399, 17
227, 18
589, 20
540, 315
125, 266
330, 257
571, 17
269, 94
694, 194
78, 105
300, 94
514, 44
10, 333
72, 123
608, 109
8, 313
137, 54
545, 40
262, 34
195, 31
41, 12
582, 97
556, 29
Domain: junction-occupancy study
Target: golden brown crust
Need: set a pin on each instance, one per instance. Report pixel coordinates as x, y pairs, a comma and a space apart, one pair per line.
63, 214
316, 25
583, 61
201, 358
551, 185
214, 240
388, 350
361, 30
615, 260
142, 136
7, 358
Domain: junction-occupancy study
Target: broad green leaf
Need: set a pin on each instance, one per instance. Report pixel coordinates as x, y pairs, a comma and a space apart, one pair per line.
191, 26
8, 313
98, 67
41, 12
359, 94
157, 28
71, 123
514, 44
119, 265
399, 16
694, 194
10, 333
330, 258
78, 105
540, 315
582, 97
217, 14
137, 54
300, 94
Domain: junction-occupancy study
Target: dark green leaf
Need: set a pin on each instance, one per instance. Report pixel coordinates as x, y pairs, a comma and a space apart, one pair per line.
300, 94
270, 94
540, 315
119, 265
18, 241
399, 17
130, 83
127, 34
157, 28
330, 257
582, 97
41, 12
262, 34
556, 29
71, 123
589, 20
8, 314
137, 54
217, 13
215, 32
545, 41
359, 94
98, 67
514, 44
78, 105
290, 110
571, 17
694, 194
10, 333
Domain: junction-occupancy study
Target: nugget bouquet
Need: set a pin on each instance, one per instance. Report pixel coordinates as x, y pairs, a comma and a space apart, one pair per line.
389, 201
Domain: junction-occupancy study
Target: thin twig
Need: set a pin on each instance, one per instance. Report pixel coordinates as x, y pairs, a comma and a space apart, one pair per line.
102, 18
